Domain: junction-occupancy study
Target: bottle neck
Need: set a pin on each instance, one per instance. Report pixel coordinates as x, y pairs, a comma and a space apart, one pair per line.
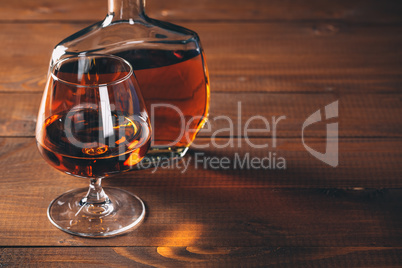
126, 9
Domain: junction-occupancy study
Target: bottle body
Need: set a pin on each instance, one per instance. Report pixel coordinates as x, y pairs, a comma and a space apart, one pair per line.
169, 64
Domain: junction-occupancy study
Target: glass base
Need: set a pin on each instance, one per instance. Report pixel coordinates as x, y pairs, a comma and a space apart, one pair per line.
119, 214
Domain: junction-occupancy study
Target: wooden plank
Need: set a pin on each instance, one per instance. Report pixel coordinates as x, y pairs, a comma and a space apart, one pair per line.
323, 57
203, 257
206, 10
18, 114
368, 115
303, 205
208, 216
363, 163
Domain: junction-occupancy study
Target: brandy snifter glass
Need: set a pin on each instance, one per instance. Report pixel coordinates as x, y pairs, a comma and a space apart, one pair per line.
92, 123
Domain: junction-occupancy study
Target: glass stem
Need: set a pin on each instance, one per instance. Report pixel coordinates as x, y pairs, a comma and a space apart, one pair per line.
96, 195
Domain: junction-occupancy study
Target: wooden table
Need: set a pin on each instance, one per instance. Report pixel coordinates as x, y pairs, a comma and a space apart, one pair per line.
278, 58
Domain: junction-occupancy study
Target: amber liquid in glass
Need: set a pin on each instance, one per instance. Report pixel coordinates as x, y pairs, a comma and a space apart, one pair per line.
172, 79
91, 158
84, 139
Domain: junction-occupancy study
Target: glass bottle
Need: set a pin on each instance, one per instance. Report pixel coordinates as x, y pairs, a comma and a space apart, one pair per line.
168, 62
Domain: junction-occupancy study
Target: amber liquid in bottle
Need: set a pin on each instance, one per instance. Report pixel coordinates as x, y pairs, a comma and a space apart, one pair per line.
168, 62
168, 80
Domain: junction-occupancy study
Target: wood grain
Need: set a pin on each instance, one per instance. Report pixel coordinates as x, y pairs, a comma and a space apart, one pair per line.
207, 10
364, 163
204, 257
300, 206
324, 57
279, 58
211, 217
359, 115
